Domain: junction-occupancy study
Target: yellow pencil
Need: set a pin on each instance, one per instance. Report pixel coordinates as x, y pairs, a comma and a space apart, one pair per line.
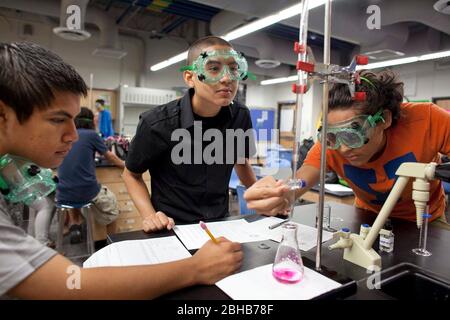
204, 227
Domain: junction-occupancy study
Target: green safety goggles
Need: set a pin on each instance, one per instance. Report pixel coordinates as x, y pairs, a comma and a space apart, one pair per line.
353, 133
21, 181
212, 66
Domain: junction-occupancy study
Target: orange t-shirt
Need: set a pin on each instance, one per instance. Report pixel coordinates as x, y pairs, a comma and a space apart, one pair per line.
421, 133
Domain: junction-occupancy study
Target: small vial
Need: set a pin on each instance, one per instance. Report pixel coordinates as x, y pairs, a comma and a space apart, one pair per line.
387, 237
296, 184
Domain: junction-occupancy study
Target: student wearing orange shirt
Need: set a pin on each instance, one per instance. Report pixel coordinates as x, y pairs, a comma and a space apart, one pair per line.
366, 143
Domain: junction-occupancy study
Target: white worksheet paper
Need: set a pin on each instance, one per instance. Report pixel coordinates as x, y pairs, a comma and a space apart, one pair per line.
138, 252
336, 187
259, 284
306, 235
193, 236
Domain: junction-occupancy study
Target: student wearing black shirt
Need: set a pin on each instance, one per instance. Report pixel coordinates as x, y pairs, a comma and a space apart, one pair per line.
175, 142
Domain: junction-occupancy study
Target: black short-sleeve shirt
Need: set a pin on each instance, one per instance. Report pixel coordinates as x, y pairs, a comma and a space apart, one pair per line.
190, 158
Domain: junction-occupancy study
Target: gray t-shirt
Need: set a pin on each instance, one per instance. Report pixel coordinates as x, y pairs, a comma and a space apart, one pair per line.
20, 254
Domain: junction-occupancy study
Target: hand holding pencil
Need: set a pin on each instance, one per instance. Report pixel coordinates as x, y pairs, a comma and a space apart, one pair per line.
204, 227
217, 258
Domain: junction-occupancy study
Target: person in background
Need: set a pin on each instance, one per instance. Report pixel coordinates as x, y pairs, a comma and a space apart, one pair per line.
104, 119
367, 141
192, 189
37, 123
77, 179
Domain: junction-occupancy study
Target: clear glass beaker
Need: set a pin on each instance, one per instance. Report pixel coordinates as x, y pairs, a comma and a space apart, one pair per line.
423, 236
288, 264
327, 218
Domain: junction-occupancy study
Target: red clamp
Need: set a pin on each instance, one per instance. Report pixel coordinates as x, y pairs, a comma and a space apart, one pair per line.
305, 66
299, 48
362, 60
299, 89
359, 96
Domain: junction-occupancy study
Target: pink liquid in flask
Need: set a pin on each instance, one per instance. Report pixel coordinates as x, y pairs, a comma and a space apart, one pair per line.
287, 275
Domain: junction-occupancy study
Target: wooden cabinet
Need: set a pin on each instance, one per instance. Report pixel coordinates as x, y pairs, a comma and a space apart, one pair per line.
129, 218
443, 102
119, 189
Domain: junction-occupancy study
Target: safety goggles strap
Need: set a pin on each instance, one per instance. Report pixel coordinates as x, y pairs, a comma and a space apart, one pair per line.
187, 68
3, 184
367, 81
250, 75
377, 117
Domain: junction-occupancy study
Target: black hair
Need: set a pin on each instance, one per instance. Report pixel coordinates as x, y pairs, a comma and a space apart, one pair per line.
85, 119
196, 48
383, 91
101, 101
30, 75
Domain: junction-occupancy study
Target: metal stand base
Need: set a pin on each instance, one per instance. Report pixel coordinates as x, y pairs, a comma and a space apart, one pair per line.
422, 252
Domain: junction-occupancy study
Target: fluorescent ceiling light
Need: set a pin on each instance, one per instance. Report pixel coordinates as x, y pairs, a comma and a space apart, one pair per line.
247, 29
279, 80
396, 62
382, 64
388, 63
272, 19
436, 55
182, 56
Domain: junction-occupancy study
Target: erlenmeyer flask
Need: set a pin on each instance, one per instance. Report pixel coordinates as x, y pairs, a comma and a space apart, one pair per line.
288, 264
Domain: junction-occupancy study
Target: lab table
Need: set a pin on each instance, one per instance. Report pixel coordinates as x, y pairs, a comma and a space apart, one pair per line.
333, 265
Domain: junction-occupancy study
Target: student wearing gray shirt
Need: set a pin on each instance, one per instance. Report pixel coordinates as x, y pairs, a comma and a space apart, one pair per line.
39, 99
20, 254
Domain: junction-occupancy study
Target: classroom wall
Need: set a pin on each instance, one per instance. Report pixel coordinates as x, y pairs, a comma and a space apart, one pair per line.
424, 81
270, 96
108, 73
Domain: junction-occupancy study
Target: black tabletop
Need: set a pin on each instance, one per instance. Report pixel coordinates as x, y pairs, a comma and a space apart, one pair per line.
333, 265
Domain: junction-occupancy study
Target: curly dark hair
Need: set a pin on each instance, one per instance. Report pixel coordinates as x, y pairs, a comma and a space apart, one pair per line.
386, 93
85, 119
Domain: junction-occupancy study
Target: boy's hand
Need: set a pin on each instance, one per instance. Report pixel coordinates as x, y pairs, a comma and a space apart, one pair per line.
268, 196
157, 221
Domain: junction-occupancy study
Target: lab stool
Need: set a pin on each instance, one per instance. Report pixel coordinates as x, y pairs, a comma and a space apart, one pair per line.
62, 209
